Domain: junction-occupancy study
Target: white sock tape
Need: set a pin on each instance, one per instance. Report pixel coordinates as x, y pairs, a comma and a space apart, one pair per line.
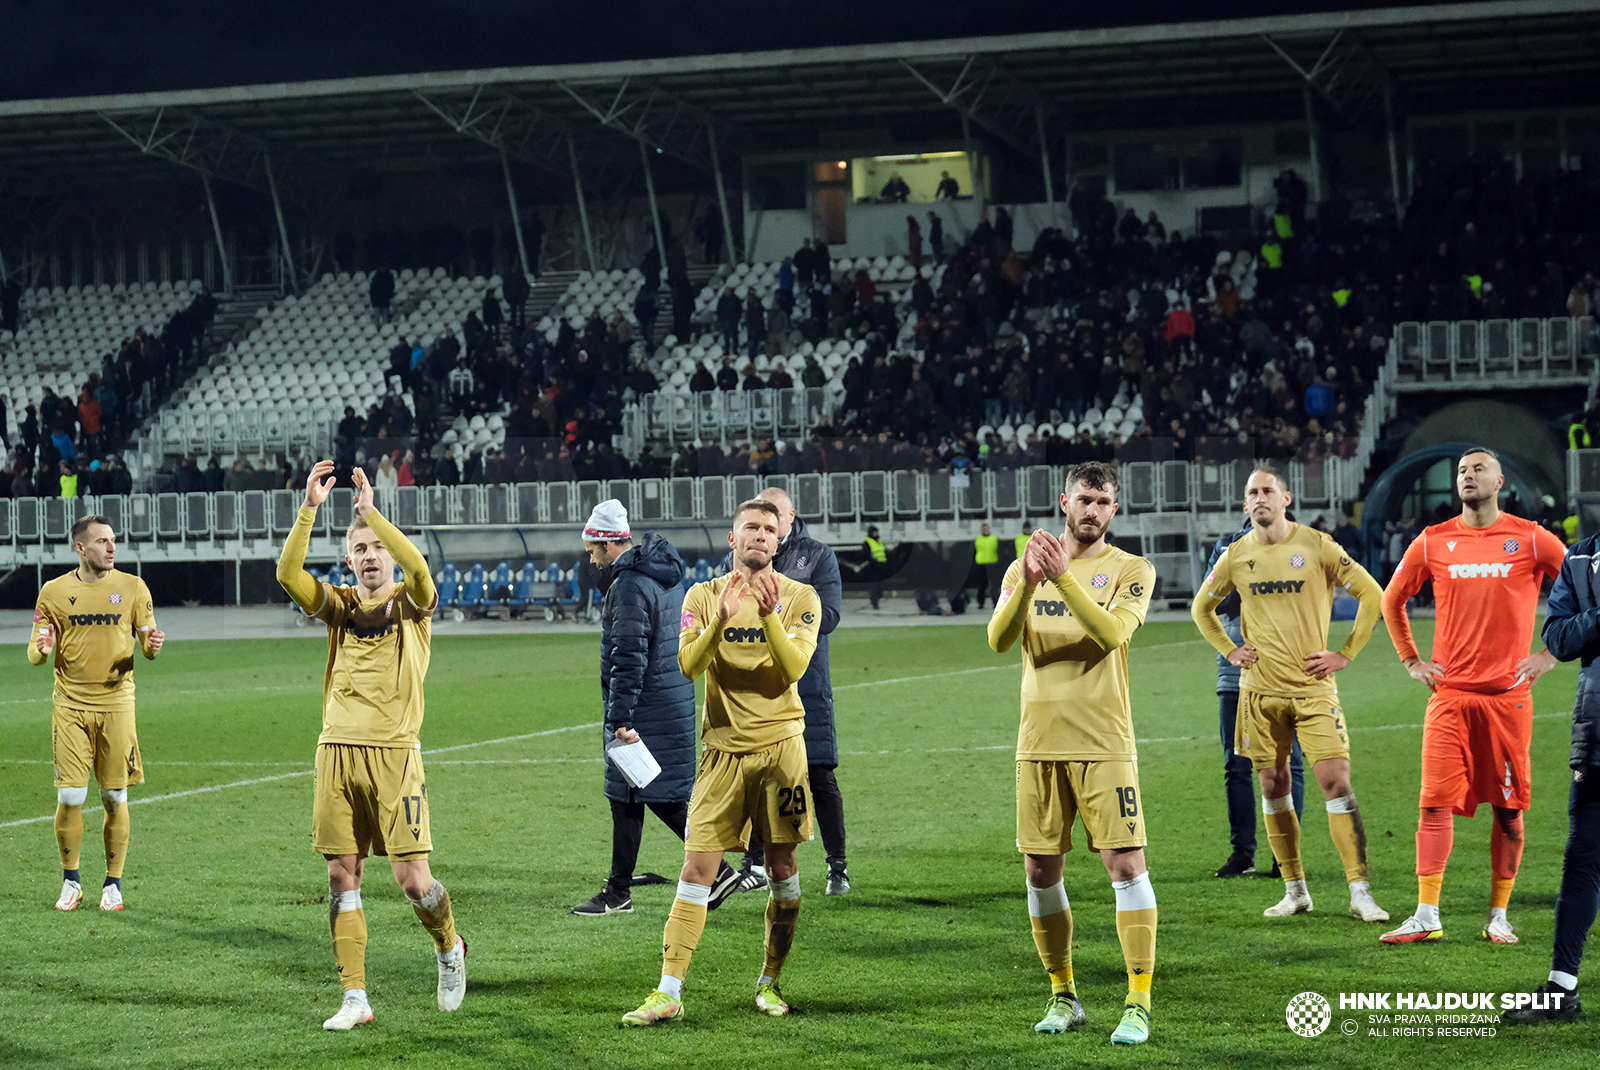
1136, 894
690, 892
432, 897
1344, 804
110, 796
72, 796
348, 901
786, 889
1043, 902
1276, 806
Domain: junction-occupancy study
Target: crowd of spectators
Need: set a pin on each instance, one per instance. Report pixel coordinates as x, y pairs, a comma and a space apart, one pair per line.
69, 446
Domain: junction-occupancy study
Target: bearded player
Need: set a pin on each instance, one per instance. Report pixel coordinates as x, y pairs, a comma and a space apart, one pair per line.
91, 620
1075, 603
1487, 568
1285, 574
751, 633
370, 792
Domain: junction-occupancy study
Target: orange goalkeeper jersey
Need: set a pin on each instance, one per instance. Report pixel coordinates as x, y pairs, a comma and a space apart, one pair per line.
1486, 586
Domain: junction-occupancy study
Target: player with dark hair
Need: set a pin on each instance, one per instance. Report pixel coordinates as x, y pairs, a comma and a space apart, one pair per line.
1487, 568
370, 790
91, 619
751, 633
1285, 574
1075, 602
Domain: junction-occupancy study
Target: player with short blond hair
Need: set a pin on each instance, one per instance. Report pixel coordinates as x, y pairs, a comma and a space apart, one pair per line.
370, 790
91, 620
1075, 602
1487, 568
1286, 574
751, 633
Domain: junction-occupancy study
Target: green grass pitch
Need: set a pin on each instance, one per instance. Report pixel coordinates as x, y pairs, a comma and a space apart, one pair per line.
222, 957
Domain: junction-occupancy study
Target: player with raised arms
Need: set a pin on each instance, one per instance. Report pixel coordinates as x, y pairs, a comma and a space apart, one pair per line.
1075, 602
1487, 567
91, 620
370, 791
1285, 574
751, 633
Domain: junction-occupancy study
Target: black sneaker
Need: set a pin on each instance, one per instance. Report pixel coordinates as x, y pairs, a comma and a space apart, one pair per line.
724, 885
1237, 865
1275, 873
1546, 1007
838, 880
607, 902
752, 878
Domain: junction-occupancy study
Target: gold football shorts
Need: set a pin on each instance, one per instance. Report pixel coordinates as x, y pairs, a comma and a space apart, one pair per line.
1268, 724
1105, 795
767, 790
104, 741
370, 799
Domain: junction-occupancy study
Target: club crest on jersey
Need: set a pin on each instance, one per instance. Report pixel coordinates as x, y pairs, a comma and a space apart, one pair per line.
116, 599
1100, 580
688, 619
1510, 546
1297, 561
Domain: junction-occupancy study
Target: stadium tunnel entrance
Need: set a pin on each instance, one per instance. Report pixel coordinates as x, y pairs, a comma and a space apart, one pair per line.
1524, 474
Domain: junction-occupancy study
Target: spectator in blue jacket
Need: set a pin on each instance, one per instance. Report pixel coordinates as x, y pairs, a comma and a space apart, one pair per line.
645, 696
1238, 779
800, 557
1572, 632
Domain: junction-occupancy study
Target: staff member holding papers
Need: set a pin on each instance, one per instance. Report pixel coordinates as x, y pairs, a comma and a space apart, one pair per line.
645, 696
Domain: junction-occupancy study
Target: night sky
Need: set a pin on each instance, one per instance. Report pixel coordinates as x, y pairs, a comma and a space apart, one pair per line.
55, 49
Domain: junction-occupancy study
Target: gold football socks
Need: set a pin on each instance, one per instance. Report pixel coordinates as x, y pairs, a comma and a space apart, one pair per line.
1136, 929
349, 924
69, 835
1283, 833
685, 922
433, 910
783, 912
1051, 916
1349, 836
117, 830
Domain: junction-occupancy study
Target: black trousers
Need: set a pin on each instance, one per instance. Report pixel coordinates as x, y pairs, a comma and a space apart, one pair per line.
978, 578
627, 829
1579, 898
827, 810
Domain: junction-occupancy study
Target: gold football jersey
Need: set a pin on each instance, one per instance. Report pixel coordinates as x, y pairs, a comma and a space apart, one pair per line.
97, 626
1286, 600
1074, 694
749, 705
378, 652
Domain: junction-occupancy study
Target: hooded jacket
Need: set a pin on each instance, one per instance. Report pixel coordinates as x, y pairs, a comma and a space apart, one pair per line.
1572, 632
800, 557
639, 679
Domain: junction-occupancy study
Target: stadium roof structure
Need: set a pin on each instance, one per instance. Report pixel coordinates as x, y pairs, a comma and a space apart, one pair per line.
1023, 91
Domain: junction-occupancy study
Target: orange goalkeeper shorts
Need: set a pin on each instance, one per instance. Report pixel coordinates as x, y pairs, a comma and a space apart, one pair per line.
1475, 750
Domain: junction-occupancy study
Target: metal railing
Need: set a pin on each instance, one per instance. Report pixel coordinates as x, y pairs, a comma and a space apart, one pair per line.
1171, 487
1442, 351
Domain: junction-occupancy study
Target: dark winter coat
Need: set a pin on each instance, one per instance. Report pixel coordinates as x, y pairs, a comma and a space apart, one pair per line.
808, 560
639, 678
1572, 632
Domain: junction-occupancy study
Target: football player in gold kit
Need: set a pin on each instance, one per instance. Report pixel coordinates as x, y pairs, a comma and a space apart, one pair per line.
370, 792
1285, 574
91, 619
752, 634
1075, 603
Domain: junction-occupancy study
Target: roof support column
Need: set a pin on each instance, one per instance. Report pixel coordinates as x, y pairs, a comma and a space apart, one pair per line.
283, 229
1044, 162
722, 195
655, 213
583, 209
516, 216
972, 164
216, 229
1316, 154
1394, 151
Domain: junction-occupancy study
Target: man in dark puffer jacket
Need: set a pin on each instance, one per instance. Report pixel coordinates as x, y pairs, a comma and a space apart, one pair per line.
645, 695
